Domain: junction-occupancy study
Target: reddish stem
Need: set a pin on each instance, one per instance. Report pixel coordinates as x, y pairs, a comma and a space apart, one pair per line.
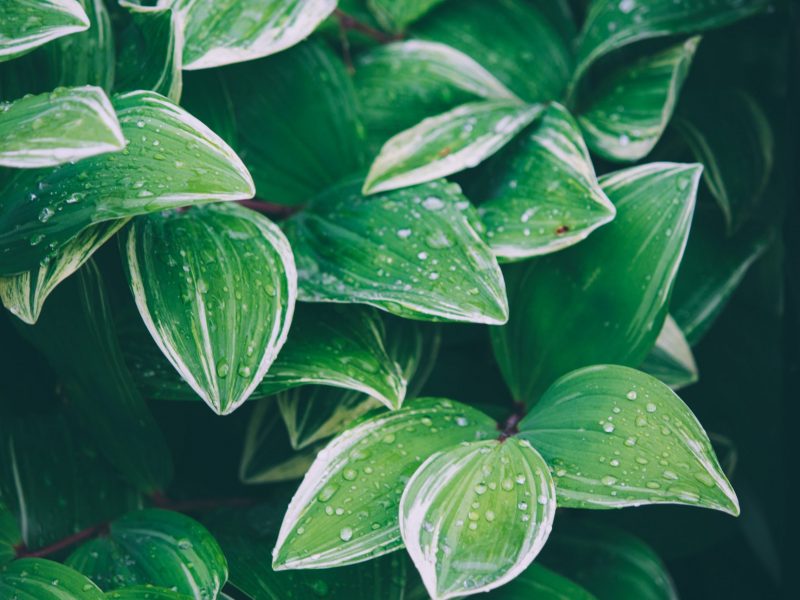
84, 534
269, 208
350, 22
511, 425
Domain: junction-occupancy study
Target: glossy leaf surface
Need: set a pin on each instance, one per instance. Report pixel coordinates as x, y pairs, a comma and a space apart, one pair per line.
45, 580
27, 24
671, 360
146, 592
395, 15
541, 583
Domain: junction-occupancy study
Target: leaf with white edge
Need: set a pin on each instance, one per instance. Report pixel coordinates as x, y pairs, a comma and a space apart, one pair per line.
345, 511
51, 129
475, 516
729, 133
401, 83
416, 253
157, 547
10, 537
448, 143
45, 580
396, 15
614, 437
216, 286
543, 193
626, 112
231, 31
671, 360
27, 24
146, 592
171, 160
624, 271
612, 24
542, 584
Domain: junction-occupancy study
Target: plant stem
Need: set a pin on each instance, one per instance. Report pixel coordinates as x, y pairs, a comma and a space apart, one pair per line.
270, 209
350, 22
510, 426
84, 534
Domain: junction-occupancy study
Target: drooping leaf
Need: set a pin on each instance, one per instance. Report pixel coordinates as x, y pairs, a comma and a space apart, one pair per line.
44, 579
612, 24
671, 360
10, 536
448, 143
414, 346
615, 437
51, 129
401, 83
396, 15
625, 114
606, 298
216, 286
146, 592
414, 252
516, 41
542, 192
308, 91
27, 24
541, 583
157, 547
345, 511
231, 31
171, 160
729, 133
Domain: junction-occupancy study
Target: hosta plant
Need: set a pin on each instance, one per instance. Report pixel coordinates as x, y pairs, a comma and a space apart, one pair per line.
441, 265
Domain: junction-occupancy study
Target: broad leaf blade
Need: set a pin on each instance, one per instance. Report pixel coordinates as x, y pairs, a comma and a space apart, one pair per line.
543, 584
27, 24
45, 580
146, 592
396, 15
216, 287
412, 252
614, 286
543, 193
475, 516
62, 126
10, 537
345, 511
448, 143
671, 360
625, 115
616, 437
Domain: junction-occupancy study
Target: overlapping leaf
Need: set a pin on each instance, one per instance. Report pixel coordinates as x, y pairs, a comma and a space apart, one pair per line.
395, 15
671, 360
45, 580
543, 584
27, 24
147, 592
10, 536
413, 252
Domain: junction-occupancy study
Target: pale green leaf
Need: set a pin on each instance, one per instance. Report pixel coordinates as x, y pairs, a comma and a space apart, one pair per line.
10, 536
396, 15
542, 191
671, 360
27, 24
413, 252
542, 584
216, 286
345, 511
45, 580
65, 125
616, 437
448, 143
475, 516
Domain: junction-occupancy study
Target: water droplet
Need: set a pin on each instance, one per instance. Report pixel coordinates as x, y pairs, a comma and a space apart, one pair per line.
223, 368
45, 215
507, 485
327, 493
403, 233
608, 480
670, 475
432, 203
630, 442
346, 534
349, 474
489, 516
650, 407
608, 427
631, 395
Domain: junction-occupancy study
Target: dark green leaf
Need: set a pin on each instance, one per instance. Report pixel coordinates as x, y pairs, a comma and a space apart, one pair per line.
671, 360
617, 437
40, 579
413, 252
27, 24
542, 584
395, 15
10, 536
146, 592
606, 298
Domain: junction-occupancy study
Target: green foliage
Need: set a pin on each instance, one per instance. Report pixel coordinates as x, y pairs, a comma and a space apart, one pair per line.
294, 213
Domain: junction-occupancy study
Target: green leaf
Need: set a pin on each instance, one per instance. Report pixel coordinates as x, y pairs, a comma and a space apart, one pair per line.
345, 511
216, 286
158, 547
617, 437
671, 360
45, 210
475, 516
448, 143
146, 592
614, 286
626, 112
543, 194
27, 24
729, 133
45, 580
612, 24
414, 346
414, 252
10, 537
308, 91
516, 41
541, 583
401, 83
231, 31
396, 15
62, 126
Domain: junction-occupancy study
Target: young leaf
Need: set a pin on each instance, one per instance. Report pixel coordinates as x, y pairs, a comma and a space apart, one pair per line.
10, 536
345, 511
216, 286
616, 437
671, 360
544, 195
448, 143
147, 592
413, 252
171, 160
626, 113
63, 126
45, 580
475, 516
614, 286
231, 31
612, 24
395, 15
541, 583
158, 547
27, 24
